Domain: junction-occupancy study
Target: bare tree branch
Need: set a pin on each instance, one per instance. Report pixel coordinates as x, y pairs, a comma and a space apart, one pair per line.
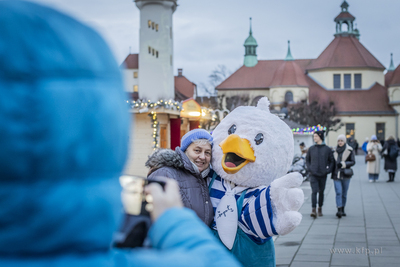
316, 113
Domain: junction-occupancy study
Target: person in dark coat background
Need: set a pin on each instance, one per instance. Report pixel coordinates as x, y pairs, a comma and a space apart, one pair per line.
390, 152
190, 168
319, 162
344, 160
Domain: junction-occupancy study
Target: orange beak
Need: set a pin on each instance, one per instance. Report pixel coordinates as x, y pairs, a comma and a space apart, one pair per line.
237, 153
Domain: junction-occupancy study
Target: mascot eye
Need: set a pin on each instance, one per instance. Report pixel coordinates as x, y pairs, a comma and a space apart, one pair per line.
259, 138
232, 129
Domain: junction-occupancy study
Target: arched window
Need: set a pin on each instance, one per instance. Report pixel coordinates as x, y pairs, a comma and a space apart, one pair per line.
289, 97
255, 100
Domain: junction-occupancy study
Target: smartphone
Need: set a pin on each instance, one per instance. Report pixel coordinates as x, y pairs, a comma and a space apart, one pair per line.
134, 200
137, 207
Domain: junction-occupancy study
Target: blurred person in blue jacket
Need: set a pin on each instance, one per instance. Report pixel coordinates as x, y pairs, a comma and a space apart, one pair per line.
63, 137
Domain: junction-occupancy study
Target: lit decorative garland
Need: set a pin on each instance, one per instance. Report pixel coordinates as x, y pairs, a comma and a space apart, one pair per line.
155, 126
146, 106
308, 130
142, 104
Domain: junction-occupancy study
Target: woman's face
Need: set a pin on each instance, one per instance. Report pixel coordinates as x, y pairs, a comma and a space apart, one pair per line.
200, 155
340, 143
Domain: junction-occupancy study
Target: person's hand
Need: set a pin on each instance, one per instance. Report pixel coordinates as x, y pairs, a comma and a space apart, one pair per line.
163, 200
339, 165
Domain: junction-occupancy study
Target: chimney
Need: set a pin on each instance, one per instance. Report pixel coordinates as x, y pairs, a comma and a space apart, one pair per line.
180, 72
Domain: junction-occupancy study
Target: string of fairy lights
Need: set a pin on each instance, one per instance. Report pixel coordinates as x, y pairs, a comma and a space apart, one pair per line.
143, 106
308, 130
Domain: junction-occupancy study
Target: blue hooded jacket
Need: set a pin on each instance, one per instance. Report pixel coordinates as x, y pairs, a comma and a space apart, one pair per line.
63, 142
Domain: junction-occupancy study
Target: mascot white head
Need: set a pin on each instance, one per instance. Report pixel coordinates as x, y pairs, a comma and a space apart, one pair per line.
252, 147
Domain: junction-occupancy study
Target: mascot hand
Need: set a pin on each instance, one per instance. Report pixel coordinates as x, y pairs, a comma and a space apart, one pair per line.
286, 199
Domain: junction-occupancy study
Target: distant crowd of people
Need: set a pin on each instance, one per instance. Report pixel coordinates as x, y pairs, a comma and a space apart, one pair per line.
321, 160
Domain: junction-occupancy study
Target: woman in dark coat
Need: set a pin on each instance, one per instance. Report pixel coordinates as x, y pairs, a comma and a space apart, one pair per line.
344, 160
189, 165
390, 153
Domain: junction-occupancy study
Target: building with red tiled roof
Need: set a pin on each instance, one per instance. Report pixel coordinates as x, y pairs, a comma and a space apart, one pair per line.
184, 89
346, 73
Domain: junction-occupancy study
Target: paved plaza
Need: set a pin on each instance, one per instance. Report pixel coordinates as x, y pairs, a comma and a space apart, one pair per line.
367, 236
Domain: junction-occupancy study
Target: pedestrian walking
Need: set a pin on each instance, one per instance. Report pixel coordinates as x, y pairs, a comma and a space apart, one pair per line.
374, 147
364, 145
320, 162
356, 146
344, 160
189, 165
390, 152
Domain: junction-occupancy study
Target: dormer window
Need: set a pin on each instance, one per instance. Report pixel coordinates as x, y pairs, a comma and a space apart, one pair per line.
347, 81
336, 81
149, 23
357, 81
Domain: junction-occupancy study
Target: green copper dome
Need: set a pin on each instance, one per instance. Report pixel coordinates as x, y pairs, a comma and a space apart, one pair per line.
250, 41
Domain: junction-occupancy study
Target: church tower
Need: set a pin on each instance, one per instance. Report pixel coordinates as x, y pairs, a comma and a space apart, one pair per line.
156, 77
345, 23
250, 45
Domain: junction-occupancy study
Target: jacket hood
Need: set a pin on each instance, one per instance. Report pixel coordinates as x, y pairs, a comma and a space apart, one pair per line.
169, 158
63, 133
164, 158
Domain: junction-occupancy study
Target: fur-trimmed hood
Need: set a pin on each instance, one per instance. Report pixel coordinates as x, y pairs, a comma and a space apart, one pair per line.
169, 158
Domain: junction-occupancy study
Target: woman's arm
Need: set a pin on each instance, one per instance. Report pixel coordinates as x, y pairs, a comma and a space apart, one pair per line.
350, 160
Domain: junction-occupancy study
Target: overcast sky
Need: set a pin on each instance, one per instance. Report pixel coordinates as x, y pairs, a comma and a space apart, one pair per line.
208, 33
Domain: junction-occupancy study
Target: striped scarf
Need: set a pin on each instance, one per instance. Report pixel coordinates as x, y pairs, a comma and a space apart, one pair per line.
256, 217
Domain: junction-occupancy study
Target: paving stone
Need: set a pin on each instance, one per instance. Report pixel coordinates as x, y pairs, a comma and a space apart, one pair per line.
309, 264
350, 259
312, 258
384, 261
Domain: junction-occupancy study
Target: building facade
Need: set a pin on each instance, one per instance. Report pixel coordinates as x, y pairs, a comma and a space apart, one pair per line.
346, 73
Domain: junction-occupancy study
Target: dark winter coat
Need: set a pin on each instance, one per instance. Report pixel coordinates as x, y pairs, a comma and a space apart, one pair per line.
346, 158
193, 187
319, 160
390, 163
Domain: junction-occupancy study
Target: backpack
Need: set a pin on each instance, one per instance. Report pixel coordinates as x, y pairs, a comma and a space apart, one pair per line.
393, 151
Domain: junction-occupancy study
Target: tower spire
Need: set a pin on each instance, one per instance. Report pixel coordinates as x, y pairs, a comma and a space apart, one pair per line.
391, 67
289, 54
250, 45
251, 32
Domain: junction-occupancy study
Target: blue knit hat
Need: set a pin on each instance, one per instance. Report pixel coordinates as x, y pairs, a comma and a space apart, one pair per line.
373, 137
193, 135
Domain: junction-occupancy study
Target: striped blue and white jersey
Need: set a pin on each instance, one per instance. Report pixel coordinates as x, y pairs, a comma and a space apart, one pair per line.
256, 217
